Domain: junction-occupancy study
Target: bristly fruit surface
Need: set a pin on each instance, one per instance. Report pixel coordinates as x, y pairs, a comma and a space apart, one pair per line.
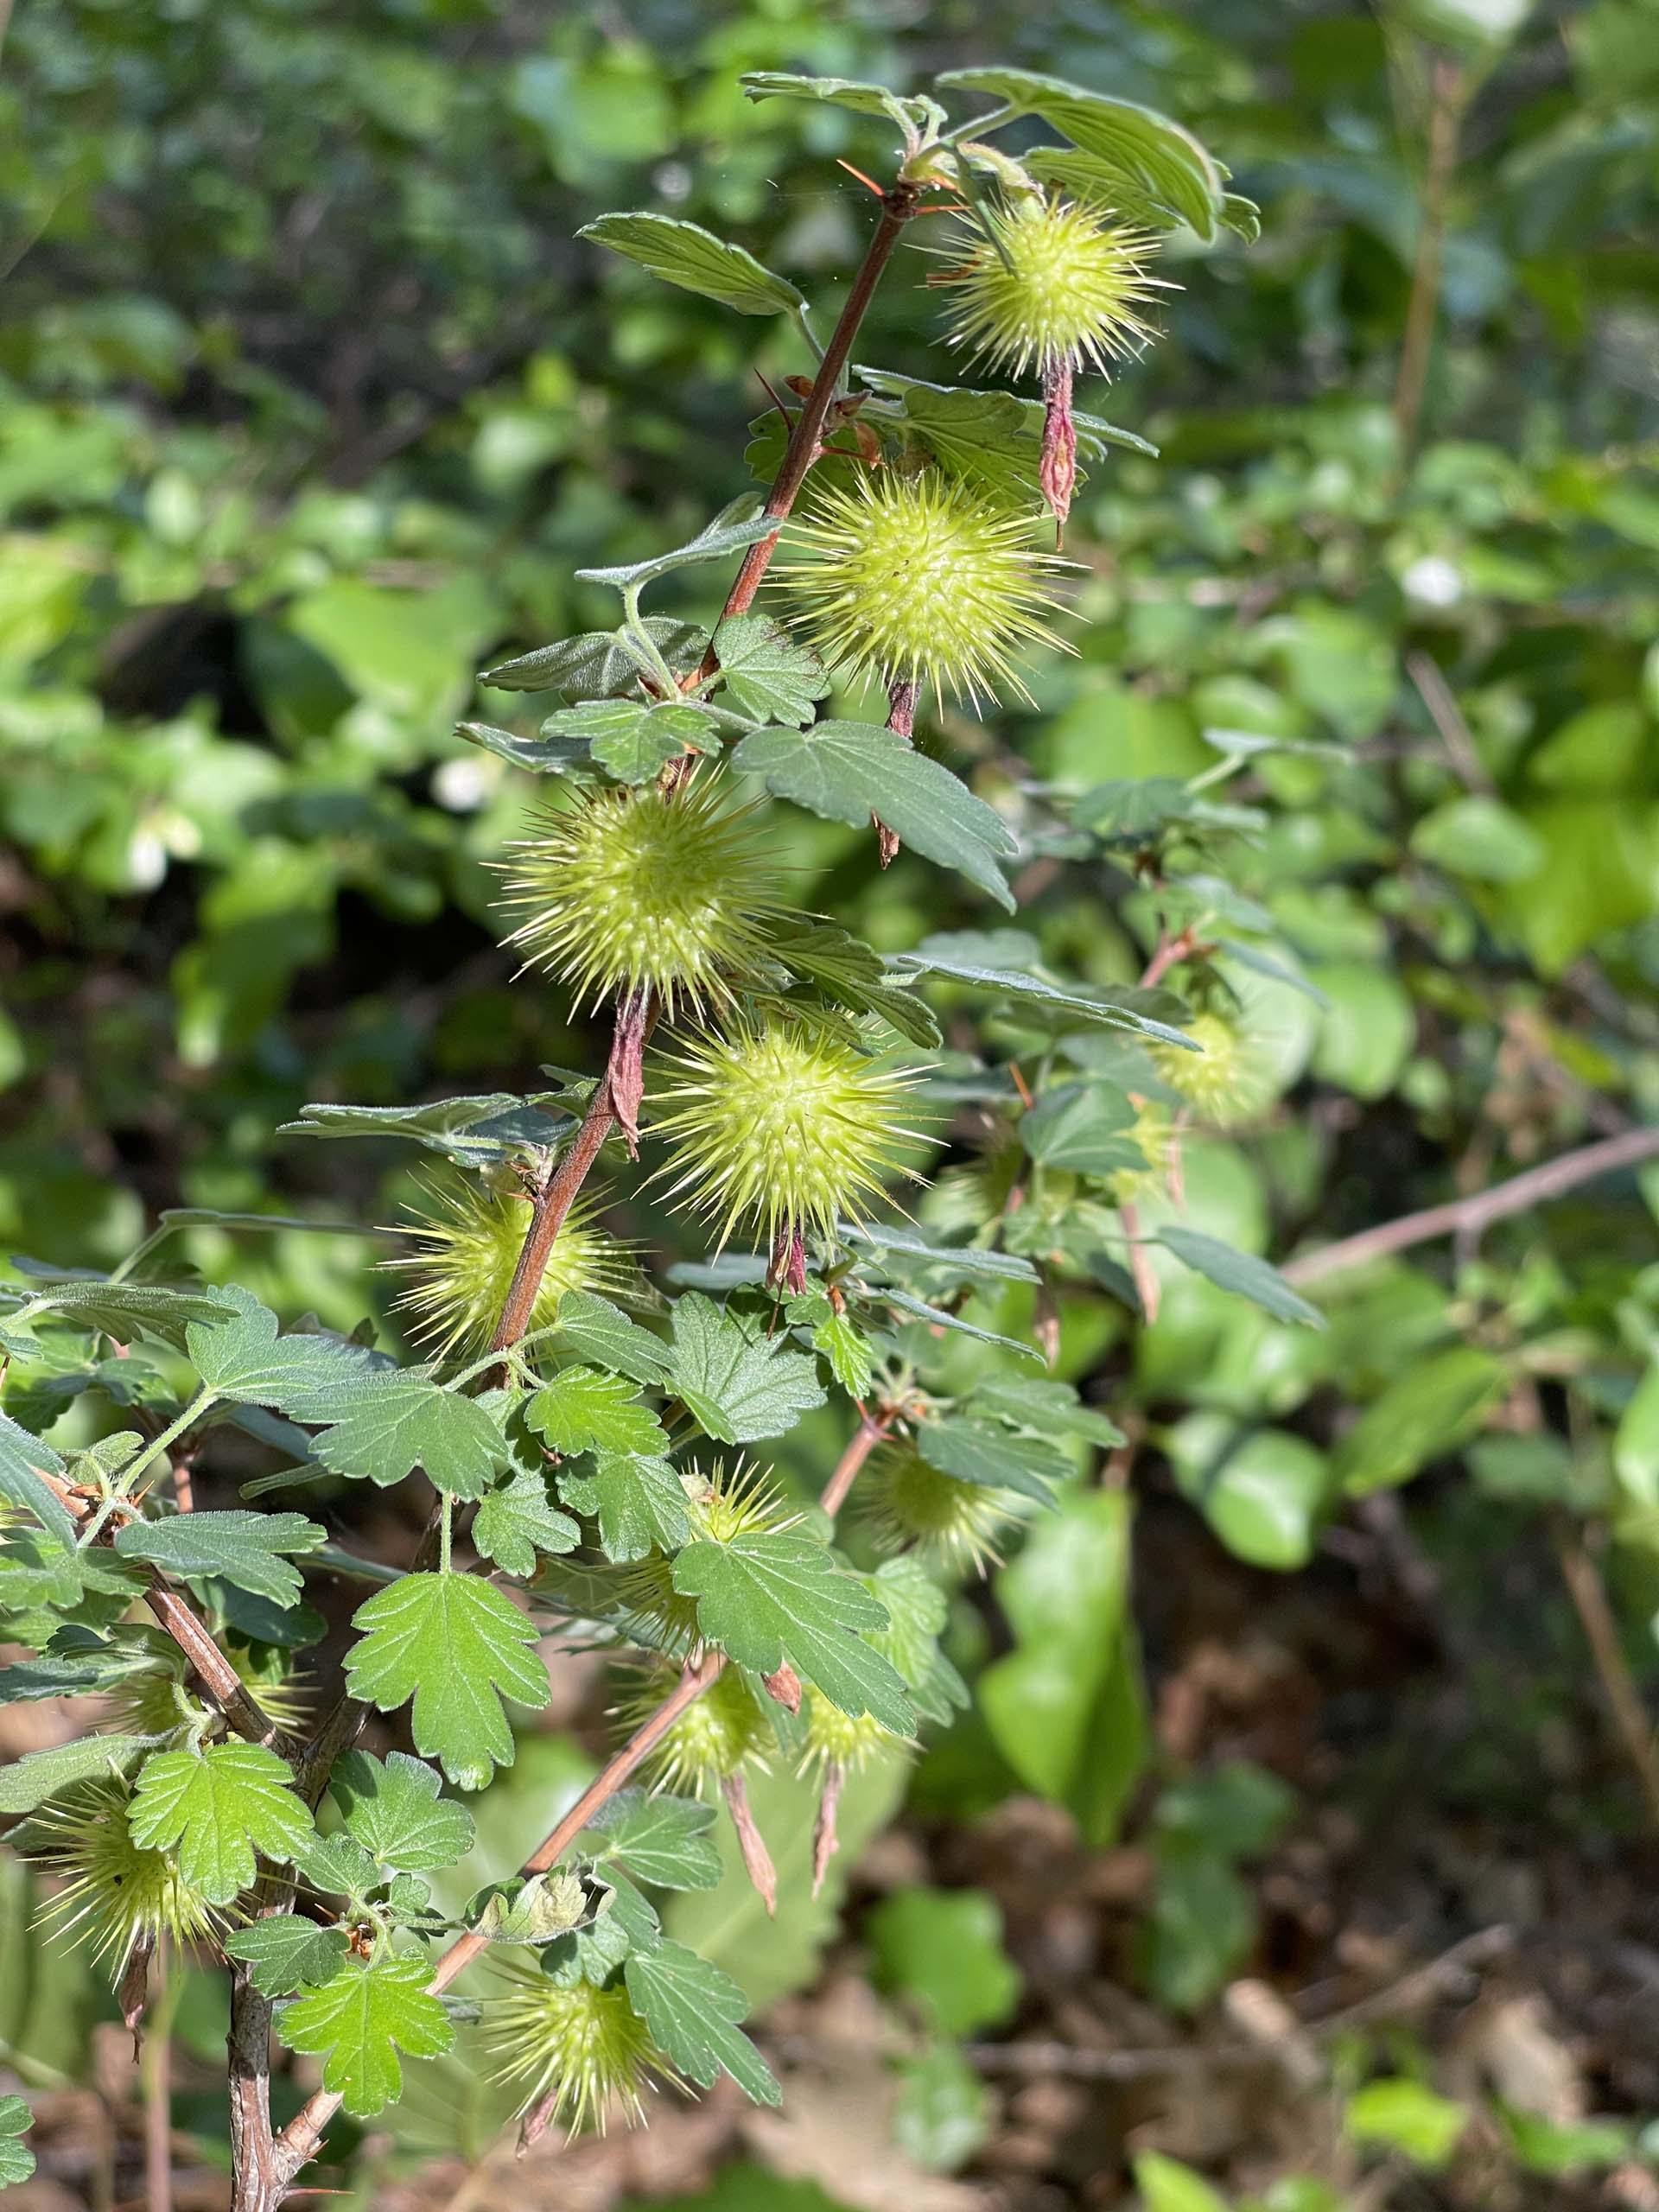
585, 2047
781, 1124
921, 580
116, 1893
468, 1238
1071, 289
623, 891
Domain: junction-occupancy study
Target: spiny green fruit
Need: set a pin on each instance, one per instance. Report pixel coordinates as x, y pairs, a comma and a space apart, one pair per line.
1224, 1081
921, 580
846, 1741
468, 1237
727, 1730
630, 890
585, 2048
1054, 281
911, 1506
116, 1893
147, 1705
781, 1123
1154, 1138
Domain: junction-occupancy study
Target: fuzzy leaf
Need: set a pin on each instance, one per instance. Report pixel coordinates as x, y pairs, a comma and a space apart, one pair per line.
1083, 1127
913, 113
516, 1521
1140, 155
16, 2160
656, 735
963, 1260
583, 1410
662, 1841
400, 1421
534, 1912
475, 1132
685, 254
309, 1378
219, 1805
361, 2020
599, 665
941, 1317
732, 530
974, 1451
122, 1310
29, 1781
456, 1645
1052, 1407
1241, 1272
395, 1809
769, 1596
692, 2010
639, 1502
1114, 1009
849, 973
284, 1951
847, 772
735, 1389
993, 437
249, 1550
23, 1459
597, 1330
71, 1674
765, 674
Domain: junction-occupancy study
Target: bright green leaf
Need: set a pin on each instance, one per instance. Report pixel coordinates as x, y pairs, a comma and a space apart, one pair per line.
218, 1806
360, 2020
456, 1645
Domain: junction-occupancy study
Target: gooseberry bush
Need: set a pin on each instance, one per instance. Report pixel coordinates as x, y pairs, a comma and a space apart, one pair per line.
595, 1438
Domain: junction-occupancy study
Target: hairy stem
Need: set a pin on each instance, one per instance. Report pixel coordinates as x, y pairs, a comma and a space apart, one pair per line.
898, 205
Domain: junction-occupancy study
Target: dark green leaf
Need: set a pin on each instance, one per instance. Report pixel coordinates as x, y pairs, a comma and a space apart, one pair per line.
766, 674
398, 1421
601, 664
735, 1387
849, 772
767, 1597
974, 1451
640, 1503
1242, 1272
29, 1781
692, 2010
685, 254
660, 1839
250, 1550
283, 1951
516, 1521
477, 1132
396, 1809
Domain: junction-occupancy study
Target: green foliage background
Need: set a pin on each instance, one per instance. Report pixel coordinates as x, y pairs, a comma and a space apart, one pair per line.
312, 403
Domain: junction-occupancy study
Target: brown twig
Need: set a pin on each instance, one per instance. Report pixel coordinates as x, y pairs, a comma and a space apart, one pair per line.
1476, 1213
1589, 1595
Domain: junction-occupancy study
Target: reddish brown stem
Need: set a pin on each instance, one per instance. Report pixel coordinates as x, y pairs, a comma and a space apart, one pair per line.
896, 209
